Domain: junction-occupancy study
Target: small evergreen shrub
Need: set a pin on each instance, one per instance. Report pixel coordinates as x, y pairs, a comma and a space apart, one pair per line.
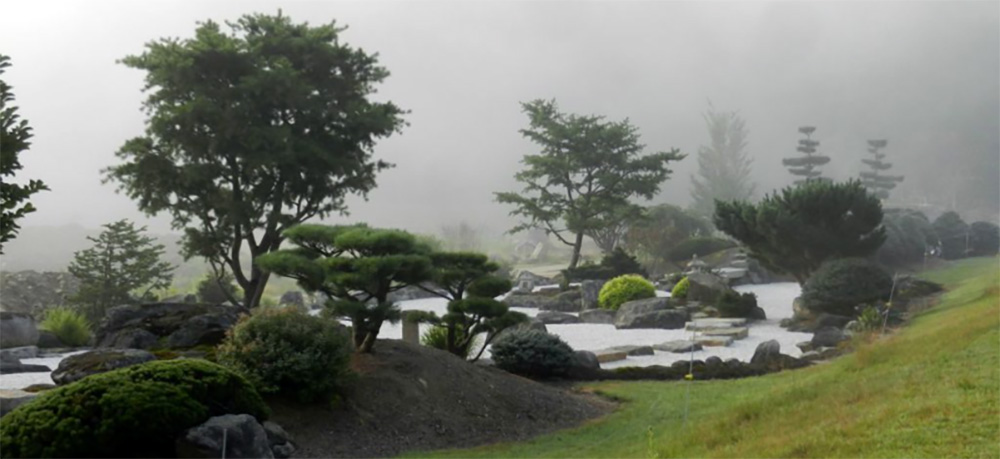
137, 411
680, 291
838, 286
211, 290
870, 319
290, 352
700, 246
733, 304
532, 353
71, 327
617, 263
623, 289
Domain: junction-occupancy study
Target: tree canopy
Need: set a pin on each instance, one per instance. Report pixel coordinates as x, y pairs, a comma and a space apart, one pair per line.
14, 140
123, 266
356, 267
795, 230
251, 131
806, 166
588, 168
723, 165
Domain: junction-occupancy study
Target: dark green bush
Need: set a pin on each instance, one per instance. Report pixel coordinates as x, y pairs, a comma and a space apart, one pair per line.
700, 246
532, 353
984, 239
623, 289
71, 327
437, 337
838, 286
953, 233
217, 291
733, 304
290, 352
908, 235
680, 290
617, 263
133, 412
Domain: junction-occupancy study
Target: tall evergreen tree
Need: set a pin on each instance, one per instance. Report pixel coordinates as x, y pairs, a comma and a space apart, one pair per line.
14, 136
878, 184
723, 166
806, 166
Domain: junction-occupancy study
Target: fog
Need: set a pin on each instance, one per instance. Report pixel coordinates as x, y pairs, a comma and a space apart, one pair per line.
923, 75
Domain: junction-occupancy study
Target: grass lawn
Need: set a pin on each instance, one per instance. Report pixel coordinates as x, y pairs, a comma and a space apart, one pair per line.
930, 390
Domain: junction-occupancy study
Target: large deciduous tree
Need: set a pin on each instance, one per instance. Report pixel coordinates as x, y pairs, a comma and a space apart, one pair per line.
356, 267
14, 139
588, 169
251, 132
723, 165
123, 266
795, 230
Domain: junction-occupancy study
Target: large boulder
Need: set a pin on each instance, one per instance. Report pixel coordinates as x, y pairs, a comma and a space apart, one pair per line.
586, 359
49, 340
568, 301
10, 399
15, 354
552, 317
589, 292
9, 367
705, 287
825, 320
597, 316
766, 351
643, 306
17, 329
281, 444
32, 292
828, 337
678, 346
292, 298
667, 319
79, 366
230, 435
178, 325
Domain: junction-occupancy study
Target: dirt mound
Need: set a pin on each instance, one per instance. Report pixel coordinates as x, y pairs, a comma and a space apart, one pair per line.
411, 397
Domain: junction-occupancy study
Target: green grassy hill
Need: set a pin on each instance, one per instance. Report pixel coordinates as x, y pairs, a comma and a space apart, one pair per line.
930, 390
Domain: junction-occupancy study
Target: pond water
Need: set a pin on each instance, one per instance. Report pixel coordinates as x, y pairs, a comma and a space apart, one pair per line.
22, 380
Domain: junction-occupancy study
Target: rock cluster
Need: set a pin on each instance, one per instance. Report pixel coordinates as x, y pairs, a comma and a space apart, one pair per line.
170, 325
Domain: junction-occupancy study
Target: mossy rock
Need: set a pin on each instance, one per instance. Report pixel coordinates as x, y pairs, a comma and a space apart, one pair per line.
137, 411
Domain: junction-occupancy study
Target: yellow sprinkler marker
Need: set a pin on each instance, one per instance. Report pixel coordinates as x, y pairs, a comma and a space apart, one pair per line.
689, 376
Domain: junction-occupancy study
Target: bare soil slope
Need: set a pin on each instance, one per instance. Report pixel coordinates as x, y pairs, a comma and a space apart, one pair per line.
417, 398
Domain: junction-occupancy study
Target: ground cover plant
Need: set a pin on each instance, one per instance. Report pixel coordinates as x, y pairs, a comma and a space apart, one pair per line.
928, 390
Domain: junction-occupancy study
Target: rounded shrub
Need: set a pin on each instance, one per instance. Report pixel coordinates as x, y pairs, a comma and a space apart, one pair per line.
290, 352
623, 289
700, 246
838, 286
532, 353
71, 327
680, 290
137, 411
734, 304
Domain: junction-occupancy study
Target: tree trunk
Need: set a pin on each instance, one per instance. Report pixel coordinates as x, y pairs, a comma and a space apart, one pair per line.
576, 250
368, 343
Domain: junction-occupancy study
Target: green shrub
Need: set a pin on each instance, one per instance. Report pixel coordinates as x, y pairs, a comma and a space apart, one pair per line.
133, 412
700, 246
908, 235
211, 290
617, 263
437, 337
733, 304
838, 286
71, 327
984, 239
532, 353
680, 290
290, 352
870, 319
624, 288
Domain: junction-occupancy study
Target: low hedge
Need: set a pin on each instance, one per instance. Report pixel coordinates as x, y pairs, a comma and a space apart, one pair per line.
137, 411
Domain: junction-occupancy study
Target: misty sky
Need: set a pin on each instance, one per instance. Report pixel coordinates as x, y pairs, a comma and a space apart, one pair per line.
923, 75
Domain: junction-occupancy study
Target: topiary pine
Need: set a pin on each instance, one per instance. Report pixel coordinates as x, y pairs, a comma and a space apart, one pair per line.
806, 166
878, 184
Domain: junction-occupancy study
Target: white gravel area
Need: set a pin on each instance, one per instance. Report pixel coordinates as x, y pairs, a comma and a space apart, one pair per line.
22, 380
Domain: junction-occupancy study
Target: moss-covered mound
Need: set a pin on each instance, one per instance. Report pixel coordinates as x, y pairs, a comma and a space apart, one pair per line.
133, 412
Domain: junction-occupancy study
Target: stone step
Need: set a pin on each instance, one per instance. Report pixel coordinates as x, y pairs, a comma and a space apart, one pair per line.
734, 333
606, 356
678, 346
714, 341
714, 323
631, 350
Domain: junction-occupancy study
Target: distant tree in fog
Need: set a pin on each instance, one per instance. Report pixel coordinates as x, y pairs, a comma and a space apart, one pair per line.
14, 136
462, 237
723, 166
877, 183
587, 170
251, 132
806, 166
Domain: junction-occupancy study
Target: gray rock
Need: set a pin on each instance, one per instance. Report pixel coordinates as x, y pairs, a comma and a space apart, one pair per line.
705, 287
534, 278
206, 329
597, 316
131, 338
758, 314
678, 346
589, 291
713, 362
244, 438
15, 354
766, 351
10, 399
552, 317
828, 337
33, 292
715, 323
79, 366
293, 298
283, 451
586, 359
568, 301
17, 329
825, 320
805, 346
48, 340
633, 350
278, 440
177, 324
643, 306
666, 319
8, 367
